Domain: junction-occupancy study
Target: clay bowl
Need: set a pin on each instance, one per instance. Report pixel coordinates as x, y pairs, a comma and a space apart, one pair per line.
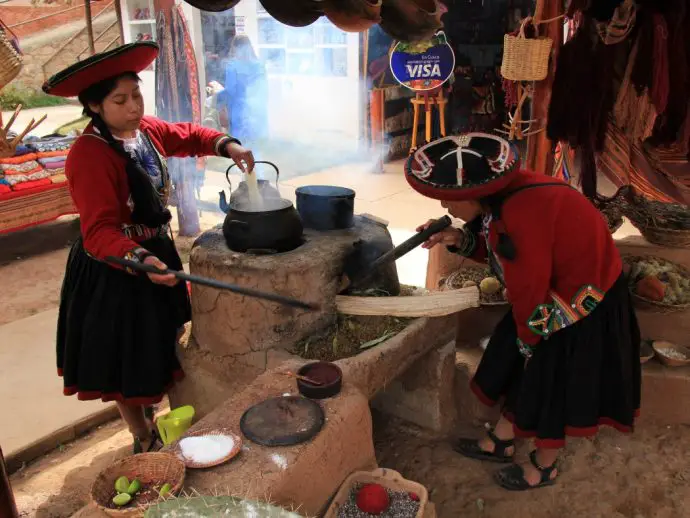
329, 374
411, 20
295, 13
353, 15
213, 6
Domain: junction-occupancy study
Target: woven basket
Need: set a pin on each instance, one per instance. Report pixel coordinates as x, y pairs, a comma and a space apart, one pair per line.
149, 468
668, 238
651, 305
525, 59
10, 58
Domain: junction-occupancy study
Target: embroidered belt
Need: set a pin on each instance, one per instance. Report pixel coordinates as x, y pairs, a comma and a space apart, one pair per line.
549, 318
144, 232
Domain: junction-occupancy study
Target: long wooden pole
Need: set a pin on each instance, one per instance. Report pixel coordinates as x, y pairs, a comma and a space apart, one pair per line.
89, 26
120, 25
540, 156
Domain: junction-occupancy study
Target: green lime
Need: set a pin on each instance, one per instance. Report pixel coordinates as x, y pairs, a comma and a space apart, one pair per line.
122, 485
122, 499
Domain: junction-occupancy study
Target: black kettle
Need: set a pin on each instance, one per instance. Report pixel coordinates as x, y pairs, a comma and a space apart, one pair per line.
267, 191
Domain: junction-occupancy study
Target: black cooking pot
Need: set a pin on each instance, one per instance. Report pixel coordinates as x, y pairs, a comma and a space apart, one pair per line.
325, 207
277, 229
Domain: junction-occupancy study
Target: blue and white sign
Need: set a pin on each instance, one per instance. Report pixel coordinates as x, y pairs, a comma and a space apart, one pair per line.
423, 65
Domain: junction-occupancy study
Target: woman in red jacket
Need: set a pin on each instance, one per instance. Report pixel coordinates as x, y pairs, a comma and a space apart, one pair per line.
565, 359
117, 330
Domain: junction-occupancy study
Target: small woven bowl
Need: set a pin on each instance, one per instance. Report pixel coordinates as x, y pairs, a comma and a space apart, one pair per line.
149, 468
205, 432
659, 347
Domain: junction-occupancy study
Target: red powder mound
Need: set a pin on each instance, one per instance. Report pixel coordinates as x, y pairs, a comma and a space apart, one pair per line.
373, 499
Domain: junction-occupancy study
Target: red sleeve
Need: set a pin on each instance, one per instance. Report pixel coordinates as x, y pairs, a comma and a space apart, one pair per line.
94, 186
528, 276
183, 139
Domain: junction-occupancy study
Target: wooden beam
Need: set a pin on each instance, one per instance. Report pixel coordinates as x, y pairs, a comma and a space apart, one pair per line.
89, 26
539, 148
120, 25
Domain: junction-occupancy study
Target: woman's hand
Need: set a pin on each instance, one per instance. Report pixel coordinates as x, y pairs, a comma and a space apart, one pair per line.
448, 237
244, 158
166, 280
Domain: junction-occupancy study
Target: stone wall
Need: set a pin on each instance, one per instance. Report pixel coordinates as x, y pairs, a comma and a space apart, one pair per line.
38, 50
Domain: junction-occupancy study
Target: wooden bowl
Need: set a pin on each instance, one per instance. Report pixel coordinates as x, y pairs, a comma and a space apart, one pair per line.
148, 468
660, 348
329, 374
204, 432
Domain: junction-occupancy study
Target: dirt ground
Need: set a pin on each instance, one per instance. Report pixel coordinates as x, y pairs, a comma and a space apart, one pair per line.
645, 475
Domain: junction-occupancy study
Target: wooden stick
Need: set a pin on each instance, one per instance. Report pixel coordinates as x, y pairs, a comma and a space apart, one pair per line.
303, 378
13, 118
23, 134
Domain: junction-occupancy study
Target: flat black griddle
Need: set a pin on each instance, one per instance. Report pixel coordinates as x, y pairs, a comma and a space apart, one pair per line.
282, 421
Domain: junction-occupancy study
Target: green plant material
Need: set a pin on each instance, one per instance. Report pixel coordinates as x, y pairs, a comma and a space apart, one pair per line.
165, 490
122, 484
122, 499
12, 96
199, 507
376, 341
335, 344
134, 487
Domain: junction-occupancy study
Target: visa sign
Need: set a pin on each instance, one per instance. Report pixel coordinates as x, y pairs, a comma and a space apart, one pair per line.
424, 65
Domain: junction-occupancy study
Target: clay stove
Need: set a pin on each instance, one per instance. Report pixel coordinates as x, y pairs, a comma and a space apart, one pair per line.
236, 338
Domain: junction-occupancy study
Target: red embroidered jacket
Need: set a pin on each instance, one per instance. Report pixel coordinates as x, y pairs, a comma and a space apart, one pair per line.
98, 181
566, 257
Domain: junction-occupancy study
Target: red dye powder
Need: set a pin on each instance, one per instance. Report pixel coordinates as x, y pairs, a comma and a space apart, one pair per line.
373, 499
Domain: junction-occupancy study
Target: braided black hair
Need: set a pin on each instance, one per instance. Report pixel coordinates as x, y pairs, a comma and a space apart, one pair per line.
148, 207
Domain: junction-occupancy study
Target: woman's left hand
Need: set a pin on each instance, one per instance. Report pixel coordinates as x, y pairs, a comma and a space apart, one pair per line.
244, 158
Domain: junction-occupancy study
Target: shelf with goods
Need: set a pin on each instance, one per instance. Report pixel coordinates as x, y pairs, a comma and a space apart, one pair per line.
33, 186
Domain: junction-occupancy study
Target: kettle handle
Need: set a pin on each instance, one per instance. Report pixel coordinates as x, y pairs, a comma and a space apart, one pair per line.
227, 171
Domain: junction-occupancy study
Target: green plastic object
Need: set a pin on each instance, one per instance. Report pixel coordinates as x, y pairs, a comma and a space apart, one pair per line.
175, 423
228, 506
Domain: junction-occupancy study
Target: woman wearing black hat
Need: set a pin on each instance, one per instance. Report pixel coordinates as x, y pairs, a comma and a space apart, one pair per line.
565, 359
117, 331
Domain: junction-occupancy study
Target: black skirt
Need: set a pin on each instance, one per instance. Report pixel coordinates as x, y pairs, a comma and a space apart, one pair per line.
117, 332
585, 375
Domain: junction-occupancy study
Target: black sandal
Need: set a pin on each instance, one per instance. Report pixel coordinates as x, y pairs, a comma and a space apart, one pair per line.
154, 446
470, 448
512, 478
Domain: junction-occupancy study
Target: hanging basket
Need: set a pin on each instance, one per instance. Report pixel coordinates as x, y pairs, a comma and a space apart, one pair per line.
10, 57
525, 59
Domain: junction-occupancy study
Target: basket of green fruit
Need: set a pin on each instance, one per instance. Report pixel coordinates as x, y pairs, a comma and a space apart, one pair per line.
128, 487
490, 289
657, 284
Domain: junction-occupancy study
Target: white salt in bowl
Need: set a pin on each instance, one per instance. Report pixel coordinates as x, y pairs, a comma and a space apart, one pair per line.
670, 354
207, 448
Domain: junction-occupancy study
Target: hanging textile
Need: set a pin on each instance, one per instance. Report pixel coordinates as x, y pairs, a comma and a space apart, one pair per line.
178, 100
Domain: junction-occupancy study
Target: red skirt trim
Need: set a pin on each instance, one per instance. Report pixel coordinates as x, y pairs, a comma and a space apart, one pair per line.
570, 431
107, 397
